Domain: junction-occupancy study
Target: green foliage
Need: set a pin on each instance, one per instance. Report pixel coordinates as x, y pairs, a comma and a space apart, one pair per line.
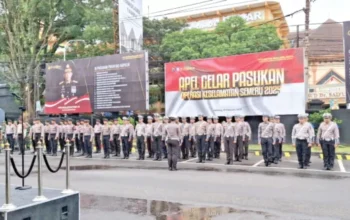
230, 37
317, 117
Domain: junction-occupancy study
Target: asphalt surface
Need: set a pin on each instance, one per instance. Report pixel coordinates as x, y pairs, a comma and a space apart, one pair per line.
120, 189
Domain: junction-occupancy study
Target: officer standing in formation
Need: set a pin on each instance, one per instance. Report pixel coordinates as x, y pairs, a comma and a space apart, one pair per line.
265, 139
278, 139
149, 137
173, 139
157, 132
302, 136
328, 139
107, 137
186, 142
201, 129
116, 129
69, 136
141, 138
10, 133
97, 135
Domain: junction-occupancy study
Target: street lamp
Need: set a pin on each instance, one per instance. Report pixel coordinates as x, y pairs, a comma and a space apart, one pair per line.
67, 44
23, 109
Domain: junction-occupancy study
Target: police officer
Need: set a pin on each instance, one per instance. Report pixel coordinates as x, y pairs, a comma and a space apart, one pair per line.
302, 139
308, 152
47, 137
116, 129
217, 137
228, 138
54, 135
328, 139
265, 139
61, 138
36, 133
81, 136
279, 136
68, 86
77, 136
149, 137
157, 132
173, 138
192, 128
10, 133
164, 146
20, 137
68, 135
247, 137
272, 121
88, 134
125, 137
97, 135
239, 138
201, 129
186, 143
210, 139
141, 138
107, 137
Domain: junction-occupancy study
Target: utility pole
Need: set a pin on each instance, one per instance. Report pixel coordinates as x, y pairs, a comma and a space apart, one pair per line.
116, 25
307, 48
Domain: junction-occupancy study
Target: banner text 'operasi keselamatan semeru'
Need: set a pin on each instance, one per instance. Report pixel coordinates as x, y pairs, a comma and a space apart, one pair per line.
265, 82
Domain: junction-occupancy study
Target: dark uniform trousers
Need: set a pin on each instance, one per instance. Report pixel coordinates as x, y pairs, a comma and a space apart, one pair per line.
149, 147
87, 145
130, 145
238, 148
98, 141
193, 147
210, 148
173, 152
125, 144
266, 147
116, 144
71, 143
185, 147
106, 139
302, 147
217, 147
164, 149
228, 143
47, 143
62, 141
82, 144
53, 143
200, 139
140, 142
246, 147
328, 149
36, 140
21, 142
77, 143
278, 150
308, 156
11, 141
157, 147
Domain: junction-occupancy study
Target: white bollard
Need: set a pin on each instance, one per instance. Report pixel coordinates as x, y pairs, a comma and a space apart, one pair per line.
40, 197
7, 206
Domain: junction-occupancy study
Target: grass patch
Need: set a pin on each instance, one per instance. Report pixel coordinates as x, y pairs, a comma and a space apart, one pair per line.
288, 147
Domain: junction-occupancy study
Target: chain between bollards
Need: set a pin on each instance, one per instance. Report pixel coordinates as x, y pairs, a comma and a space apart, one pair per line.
40, 197
7, 206
67, 190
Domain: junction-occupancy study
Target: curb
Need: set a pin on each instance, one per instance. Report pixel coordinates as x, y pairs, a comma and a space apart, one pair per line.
287, 154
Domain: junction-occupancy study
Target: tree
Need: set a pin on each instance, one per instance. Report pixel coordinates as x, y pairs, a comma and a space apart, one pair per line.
230, 37
32, 31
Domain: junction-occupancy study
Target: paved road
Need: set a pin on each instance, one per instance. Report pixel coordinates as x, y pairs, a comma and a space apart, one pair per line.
111, 190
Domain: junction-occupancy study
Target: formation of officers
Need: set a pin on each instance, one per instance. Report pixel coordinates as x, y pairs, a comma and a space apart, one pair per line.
168, 138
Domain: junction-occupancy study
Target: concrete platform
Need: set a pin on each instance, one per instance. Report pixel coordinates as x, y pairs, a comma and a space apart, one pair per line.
57, 205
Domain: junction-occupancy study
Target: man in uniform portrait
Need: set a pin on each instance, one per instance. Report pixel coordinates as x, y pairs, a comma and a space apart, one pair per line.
68, 85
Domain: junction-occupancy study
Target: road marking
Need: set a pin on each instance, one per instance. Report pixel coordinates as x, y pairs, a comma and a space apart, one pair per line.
258, 163
287, 154
257, 153
339, 157
186, 161
341, 166
348, 157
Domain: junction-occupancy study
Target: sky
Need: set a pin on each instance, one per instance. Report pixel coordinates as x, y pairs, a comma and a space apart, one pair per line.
321, 10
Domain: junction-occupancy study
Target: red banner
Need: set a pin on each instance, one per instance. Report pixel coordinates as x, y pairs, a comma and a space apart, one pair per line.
266, 74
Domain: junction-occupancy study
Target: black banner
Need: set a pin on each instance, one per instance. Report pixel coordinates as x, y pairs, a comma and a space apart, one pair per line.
101, 84
346, 28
